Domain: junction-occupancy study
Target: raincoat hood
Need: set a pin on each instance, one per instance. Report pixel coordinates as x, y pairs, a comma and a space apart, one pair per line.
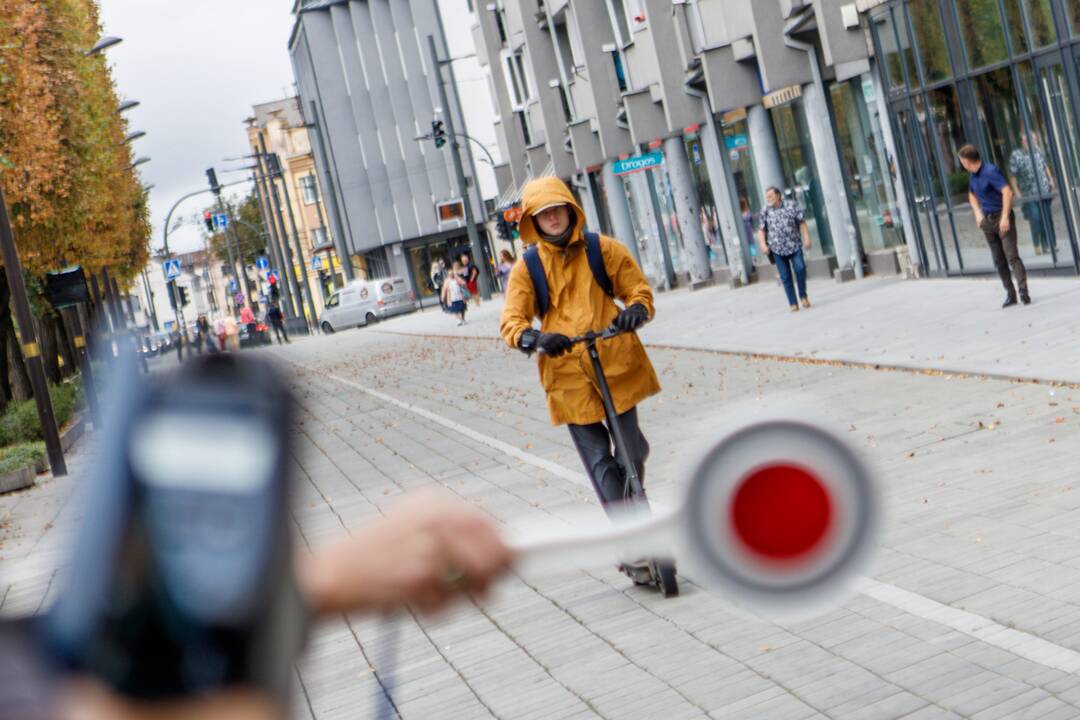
540, 193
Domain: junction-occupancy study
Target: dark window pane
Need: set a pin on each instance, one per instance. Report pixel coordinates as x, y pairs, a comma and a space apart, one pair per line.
886, 33
948, 132
1016, 26
1075, 6
930, 38
1041, 18
999, 114
984, 37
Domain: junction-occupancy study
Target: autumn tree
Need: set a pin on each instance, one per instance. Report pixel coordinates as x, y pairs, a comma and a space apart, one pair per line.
66, 172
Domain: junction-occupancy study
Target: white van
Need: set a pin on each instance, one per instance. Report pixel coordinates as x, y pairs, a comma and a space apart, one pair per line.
364, 302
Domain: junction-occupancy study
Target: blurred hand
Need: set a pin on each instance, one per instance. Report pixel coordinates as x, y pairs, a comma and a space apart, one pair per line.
86, 700
1004, 225
423, 554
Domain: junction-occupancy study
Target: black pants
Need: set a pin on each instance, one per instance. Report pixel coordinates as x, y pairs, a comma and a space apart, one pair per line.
594, 445
1005, 253
279, 332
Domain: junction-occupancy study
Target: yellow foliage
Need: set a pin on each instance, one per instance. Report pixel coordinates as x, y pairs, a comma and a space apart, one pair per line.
67, 175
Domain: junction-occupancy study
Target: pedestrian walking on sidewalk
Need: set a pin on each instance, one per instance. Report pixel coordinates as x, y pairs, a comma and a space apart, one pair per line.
453, 293
202, 335
991, 200
438, 279
783, 236
1030, 176
471, 274
577, 302
277, 321
247, 317
219, 332
232, 334
506, 264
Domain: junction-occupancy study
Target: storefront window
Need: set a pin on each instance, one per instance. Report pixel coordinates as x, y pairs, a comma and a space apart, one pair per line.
743, 176
868, 187
669, 217
984, 36
800, 172
930, 38
635, 186
1040, 15
709, 217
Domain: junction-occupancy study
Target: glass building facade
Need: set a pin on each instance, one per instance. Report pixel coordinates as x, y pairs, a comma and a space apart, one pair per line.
1002, 75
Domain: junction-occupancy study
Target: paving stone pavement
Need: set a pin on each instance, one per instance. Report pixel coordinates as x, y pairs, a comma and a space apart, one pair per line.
982, 505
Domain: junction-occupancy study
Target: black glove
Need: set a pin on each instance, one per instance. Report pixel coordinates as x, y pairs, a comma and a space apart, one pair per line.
527, 341
632, 318
554, 344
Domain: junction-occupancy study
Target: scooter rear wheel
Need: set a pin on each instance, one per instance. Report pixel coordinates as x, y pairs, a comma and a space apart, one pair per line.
664, 573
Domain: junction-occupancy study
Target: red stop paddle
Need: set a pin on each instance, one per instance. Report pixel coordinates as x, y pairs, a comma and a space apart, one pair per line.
779, 516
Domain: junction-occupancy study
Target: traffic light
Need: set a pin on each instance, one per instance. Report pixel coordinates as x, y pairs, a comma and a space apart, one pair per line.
503, 228
170, 290
438, 132
208, 218
184, 300
215, 186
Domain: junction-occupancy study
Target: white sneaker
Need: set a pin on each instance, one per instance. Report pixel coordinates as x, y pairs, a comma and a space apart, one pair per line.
460, 323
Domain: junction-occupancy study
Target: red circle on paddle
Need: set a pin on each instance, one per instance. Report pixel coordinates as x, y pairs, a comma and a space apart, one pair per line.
781, 512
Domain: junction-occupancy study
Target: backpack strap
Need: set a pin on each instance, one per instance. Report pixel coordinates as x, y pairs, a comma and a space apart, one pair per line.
539, 280
593, 254
596, 263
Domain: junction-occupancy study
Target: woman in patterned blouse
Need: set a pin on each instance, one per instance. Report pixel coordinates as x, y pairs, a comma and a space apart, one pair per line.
779, 232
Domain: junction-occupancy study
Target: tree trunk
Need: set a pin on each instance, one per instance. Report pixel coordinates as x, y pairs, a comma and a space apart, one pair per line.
46, 333
20, 378
67, 349
6, 333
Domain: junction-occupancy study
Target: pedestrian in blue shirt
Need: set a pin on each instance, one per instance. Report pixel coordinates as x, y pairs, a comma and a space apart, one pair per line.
991, 199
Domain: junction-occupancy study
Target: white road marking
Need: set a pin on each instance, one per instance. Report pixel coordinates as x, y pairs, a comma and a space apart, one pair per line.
1017, 642
506, 448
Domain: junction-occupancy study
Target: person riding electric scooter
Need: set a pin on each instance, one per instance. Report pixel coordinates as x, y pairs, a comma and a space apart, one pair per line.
571, 279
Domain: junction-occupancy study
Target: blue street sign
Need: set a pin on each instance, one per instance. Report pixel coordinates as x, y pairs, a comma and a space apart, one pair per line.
316, 263
271, 274
233, 287
262, 264
638, 164
221, 221
171, 268
736, 142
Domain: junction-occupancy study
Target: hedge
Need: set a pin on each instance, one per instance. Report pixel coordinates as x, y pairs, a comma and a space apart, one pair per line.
16, 457
19, 423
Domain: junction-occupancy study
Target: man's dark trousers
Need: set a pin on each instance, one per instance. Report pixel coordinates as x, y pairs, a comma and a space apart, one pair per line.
594, 445
1005, 252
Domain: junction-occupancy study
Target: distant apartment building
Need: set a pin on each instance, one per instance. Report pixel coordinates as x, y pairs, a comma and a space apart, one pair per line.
295, 209
367, 89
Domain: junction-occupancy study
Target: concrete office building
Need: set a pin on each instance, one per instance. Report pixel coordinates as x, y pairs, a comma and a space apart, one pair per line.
671, 119
367, 89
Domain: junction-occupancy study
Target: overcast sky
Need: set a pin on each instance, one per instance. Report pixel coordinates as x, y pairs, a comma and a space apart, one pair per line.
198, 67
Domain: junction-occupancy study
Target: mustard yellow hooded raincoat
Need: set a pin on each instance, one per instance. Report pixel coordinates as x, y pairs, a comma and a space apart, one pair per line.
577, 305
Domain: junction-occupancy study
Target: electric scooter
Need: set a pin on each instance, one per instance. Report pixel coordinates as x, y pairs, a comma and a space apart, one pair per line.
655, 571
